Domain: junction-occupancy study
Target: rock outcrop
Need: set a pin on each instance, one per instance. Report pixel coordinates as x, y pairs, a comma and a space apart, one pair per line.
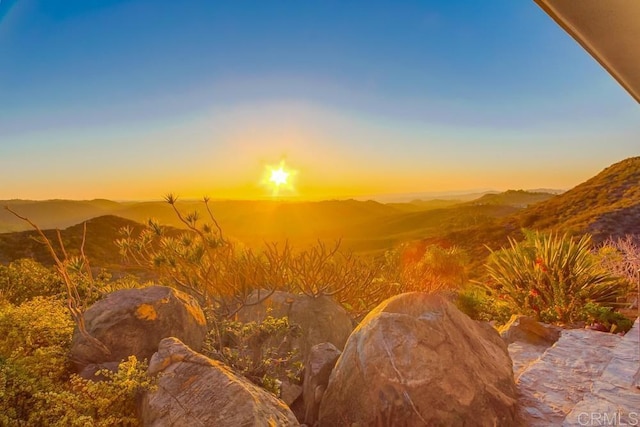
564, 375
417, 360
133, 322
320, 319
527, 340
194, 390
526, 329
614, 398
317, 369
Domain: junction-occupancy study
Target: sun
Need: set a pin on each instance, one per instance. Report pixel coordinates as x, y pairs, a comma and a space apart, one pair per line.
279, 176
279, 180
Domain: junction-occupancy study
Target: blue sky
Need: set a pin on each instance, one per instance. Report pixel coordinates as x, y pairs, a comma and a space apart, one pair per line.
132, 99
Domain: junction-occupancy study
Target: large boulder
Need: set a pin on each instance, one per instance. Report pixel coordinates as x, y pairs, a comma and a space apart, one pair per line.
132, 322
194, 390
320, 319
417, 360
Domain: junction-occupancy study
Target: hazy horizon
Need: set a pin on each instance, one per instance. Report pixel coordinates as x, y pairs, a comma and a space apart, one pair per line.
131, 99
380, 198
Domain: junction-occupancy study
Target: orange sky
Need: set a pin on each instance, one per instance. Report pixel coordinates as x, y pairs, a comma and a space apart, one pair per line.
336, 153
403, 98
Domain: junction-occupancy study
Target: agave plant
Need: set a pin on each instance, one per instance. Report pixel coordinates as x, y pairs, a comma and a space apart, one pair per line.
552, 277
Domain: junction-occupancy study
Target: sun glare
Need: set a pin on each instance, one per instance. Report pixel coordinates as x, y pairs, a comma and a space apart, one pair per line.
279, 177
279, 180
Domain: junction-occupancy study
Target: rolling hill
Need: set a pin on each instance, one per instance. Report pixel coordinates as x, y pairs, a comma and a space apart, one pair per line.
363, 226
514, 198
99, 247
606, 205
53, 213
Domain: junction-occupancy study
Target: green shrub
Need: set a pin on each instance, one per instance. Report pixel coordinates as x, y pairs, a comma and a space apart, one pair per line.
30, 399
260, 351
24, 279
606, 316
104, 403
36, 383
476, 303
551, 277
40, 325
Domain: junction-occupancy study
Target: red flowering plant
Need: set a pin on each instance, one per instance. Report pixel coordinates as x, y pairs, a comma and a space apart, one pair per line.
552, 277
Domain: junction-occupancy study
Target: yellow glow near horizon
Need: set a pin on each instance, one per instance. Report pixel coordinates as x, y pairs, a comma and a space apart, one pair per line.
279, 180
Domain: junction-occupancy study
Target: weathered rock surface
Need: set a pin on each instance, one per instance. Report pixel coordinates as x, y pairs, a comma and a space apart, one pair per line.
613, 397
417, 360
290, 392
320, 319
133, 322
551, 386
528, 330
524, 354
317, 369
194, 390
527, 340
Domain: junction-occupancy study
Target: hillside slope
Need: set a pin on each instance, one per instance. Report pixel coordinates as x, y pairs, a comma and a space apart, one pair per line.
100, 244
53, 213
606, 205
515, 198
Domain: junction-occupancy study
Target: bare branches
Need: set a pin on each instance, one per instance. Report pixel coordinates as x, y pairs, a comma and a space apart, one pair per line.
626, 262
622, 257
213, 219
199, 261
75, 304
39, 231
223, 275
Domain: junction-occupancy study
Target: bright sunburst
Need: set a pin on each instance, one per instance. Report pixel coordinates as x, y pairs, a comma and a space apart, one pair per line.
279, 176
279, 179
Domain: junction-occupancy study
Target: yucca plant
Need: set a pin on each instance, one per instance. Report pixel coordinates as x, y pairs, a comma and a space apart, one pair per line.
552, 277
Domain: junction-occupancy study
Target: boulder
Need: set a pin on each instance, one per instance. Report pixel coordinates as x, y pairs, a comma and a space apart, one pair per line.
320, 319
290, 392
133, 321
528, 330
417, 360
194, 390
317, 369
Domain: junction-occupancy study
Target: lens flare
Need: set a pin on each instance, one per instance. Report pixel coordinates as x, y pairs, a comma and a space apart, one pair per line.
279, 180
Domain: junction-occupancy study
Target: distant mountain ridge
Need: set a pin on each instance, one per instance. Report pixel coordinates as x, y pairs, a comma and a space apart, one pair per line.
607, 204
515, 198
363, 226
